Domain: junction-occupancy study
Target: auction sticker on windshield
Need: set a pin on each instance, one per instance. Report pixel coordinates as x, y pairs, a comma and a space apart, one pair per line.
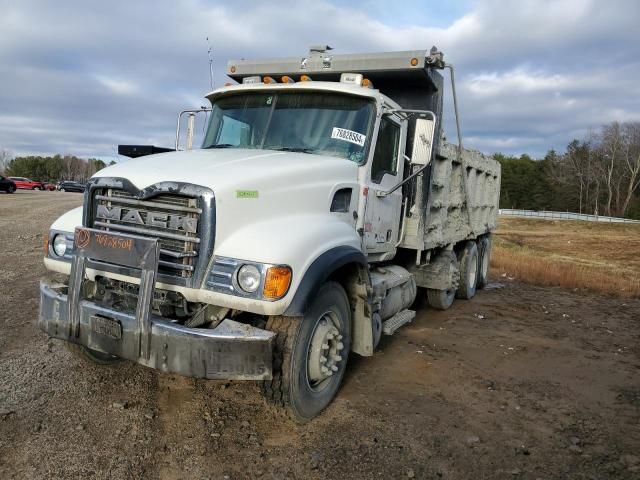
348, 136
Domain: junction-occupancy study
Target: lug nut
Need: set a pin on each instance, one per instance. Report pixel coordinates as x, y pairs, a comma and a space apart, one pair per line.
334, 368
337, 358
323, 359
325, 346
340, 346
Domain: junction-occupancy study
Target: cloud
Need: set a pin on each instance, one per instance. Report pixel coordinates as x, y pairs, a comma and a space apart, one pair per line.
80, 77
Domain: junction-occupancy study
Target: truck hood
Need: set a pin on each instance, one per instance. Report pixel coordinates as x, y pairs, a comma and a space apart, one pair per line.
257, 192
236, 169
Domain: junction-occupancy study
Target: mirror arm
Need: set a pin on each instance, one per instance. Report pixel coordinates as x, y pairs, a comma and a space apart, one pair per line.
201, 109
414, 174
409, 112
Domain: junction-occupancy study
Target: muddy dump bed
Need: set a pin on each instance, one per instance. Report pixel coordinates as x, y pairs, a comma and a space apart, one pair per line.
455, 199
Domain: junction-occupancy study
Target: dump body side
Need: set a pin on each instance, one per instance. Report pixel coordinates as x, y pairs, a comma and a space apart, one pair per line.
456, 199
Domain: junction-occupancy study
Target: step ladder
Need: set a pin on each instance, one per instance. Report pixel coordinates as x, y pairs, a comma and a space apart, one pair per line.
399, 319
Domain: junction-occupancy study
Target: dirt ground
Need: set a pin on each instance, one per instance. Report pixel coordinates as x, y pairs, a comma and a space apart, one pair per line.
521, 382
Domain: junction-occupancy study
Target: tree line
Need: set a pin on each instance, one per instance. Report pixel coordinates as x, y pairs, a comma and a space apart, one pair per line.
50, 169
597, 175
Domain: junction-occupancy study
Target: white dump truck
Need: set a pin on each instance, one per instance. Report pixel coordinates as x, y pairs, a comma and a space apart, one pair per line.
323, 200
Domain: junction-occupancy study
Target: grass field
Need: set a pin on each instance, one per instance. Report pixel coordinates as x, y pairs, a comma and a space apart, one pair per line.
589, 256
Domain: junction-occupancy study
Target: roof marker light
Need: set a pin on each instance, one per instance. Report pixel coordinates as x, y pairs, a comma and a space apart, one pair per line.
367, 83
351, 78
286, 79
305, 78
251, 80
268, 80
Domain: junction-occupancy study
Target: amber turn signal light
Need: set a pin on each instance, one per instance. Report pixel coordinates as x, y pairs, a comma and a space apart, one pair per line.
276, 282
414, 62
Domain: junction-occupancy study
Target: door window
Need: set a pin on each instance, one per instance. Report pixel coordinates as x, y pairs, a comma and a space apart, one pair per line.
385, 157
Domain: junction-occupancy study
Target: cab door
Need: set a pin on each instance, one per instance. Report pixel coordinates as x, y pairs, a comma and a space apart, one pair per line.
382, 214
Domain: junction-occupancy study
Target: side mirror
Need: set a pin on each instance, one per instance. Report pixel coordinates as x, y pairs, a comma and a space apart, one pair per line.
422, 142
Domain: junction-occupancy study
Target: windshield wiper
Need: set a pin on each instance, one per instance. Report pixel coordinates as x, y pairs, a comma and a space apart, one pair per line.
221, 145
295, 149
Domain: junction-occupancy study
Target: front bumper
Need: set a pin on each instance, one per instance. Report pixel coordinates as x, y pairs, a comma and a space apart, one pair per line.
232, 350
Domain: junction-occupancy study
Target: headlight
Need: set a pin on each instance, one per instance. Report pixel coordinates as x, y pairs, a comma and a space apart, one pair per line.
249, 278
59, 245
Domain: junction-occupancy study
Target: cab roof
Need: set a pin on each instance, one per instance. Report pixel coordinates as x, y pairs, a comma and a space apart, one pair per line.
335, 87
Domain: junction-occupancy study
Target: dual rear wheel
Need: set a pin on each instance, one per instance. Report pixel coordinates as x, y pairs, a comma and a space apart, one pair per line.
473, 263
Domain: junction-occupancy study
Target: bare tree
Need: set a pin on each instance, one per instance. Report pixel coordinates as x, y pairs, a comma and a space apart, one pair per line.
631, 157
610, 141
5, 157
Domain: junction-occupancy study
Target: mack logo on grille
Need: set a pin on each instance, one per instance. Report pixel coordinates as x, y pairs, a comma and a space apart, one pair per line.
152, 219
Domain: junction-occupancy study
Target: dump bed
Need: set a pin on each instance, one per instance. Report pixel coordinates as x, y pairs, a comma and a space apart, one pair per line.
456, 199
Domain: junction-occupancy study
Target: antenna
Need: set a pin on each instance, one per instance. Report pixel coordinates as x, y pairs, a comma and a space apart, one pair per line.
209, 51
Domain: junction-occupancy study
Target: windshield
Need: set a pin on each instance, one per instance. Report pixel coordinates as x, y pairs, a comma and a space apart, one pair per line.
310, 122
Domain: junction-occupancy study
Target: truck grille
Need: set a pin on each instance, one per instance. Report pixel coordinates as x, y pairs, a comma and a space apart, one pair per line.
174, 220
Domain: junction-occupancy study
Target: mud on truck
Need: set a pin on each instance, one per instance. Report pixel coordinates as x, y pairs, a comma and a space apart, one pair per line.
323, 201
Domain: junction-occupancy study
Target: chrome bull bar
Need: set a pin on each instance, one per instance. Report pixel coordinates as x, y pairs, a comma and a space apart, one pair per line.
130, 251
232, 350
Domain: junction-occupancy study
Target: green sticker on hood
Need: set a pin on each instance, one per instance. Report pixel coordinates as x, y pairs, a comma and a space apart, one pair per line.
246, 193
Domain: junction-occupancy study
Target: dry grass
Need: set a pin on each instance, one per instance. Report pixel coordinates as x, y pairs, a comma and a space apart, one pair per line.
578, 255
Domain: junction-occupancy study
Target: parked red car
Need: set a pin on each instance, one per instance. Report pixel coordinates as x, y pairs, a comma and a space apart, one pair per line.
27, 183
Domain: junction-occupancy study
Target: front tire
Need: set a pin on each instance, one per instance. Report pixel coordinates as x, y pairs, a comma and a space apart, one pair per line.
310, 355
62, 190
11, 189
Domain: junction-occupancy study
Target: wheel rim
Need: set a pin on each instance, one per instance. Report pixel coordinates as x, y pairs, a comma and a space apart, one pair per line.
473, 271
324, 359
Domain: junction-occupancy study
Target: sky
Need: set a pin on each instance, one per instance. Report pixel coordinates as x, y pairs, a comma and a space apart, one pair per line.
80, 77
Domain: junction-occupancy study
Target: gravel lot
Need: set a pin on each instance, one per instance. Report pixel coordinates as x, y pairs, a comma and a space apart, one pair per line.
521, 382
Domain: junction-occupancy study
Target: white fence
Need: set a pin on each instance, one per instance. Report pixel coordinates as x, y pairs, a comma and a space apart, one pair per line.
564, 216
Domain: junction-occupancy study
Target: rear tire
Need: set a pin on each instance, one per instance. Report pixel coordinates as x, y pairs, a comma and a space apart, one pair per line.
87, 354
306, 350
62, 190
441, 299
468, 260
484, 256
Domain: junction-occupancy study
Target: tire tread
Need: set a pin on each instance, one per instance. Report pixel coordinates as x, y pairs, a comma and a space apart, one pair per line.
276, 390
